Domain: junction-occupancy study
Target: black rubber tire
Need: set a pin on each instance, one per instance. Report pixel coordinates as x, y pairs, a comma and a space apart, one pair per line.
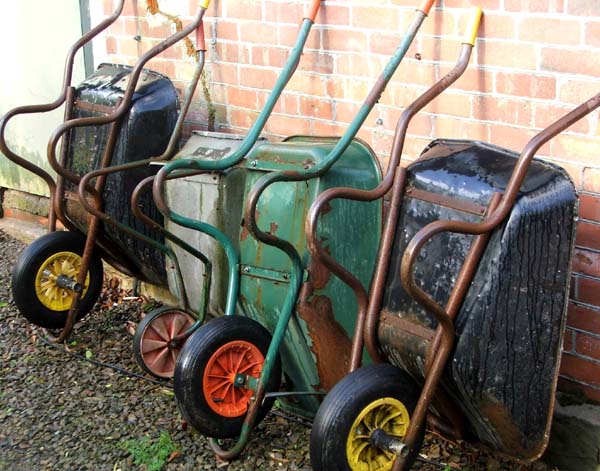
26, 269
140, 331
344, 403
192, 362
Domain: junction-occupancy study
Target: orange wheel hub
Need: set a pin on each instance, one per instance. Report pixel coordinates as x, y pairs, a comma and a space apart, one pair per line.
234, 358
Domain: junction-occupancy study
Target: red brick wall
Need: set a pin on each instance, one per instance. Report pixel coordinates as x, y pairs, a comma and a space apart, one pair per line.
534, 61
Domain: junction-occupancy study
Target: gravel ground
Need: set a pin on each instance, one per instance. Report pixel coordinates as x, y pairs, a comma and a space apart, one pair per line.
62, 413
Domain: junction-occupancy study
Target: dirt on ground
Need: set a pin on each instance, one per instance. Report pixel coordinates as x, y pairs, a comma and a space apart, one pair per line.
77, 406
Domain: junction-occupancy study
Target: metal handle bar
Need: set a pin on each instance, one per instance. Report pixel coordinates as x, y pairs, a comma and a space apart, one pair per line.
123, 106
320, 168
368, 306
257, 127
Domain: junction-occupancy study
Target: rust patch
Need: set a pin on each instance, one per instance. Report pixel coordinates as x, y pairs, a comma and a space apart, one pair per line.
502, 425
245, 232
273, 228
318, 274
330, 343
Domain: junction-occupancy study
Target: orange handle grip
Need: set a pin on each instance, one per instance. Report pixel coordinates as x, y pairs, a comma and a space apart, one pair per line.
313, 10
471, 34
426, 6
200, 42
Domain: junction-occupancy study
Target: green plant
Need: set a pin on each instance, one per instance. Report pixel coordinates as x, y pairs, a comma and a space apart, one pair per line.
152, 455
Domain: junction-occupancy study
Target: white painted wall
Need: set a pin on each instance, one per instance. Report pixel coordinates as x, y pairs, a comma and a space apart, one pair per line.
35, 37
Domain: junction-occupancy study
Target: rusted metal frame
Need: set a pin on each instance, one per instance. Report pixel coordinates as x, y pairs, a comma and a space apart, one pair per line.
115, 120
233, 257
105, 170
494, 219
446, 201
122, 107
64, 96
320, 169
367, 314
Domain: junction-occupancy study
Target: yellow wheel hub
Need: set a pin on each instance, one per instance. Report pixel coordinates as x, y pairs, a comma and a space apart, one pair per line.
48, 292
387, 414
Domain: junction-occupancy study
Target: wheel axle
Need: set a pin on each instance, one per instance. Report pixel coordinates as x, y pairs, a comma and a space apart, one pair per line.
384, 441
66, 282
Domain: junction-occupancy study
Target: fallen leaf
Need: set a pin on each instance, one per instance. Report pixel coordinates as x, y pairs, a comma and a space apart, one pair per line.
173, 456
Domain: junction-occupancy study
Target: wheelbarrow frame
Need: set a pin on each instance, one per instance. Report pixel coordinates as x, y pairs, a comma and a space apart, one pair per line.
250, 222
444, 340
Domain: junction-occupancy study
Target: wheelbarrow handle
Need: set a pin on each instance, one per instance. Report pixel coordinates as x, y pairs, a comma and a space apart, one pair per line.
426, 6
471, 34
200, 41
313, 10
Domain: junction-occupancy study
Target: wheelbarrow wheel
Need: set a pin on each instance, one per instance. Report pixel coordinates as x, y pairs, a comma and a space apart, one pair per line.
376, 397
37, 276
220, 352
153, 348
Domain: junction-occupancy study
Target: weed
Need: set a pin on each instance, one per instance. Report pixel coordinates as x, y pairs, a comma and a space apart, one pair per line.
152, 455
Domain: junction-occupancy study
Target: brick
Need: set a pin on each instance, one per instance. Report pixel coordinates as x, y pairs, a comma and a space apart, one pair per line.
580, 369
514, 138
542, 6
258, 33
270, 56
502, 110
241, 119
502, 54
589, 207
288, 35
343, 40
375, 17
459, 128
546, 114
263, 79
550, 30
570, 62
246, 9
580, 149
334, 15
568, 340
577, 91
284, 12
587, 345
494, 26
587, 290
316, 108
486, 5
226, 31
453, 104
282, 125
317, 62
583, 318
526, 85
309, 84
591, 179
584, 7
586, 262
592, 34
242, 98
588, 235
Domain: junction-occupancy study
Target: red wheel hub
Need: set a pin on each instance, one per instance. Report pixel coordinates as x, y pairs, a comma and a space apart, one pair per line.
157, 349
234, 358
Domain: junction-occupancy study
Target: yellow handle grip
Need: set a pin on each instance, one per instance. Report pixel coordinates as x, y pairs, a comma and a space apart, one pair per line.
204, 4
471, 35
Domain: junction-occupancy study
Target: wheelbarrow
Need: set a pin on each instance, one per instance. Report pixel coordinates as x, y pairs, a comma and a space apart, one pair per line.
161, 333
466, 312
228, 372
119, 114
